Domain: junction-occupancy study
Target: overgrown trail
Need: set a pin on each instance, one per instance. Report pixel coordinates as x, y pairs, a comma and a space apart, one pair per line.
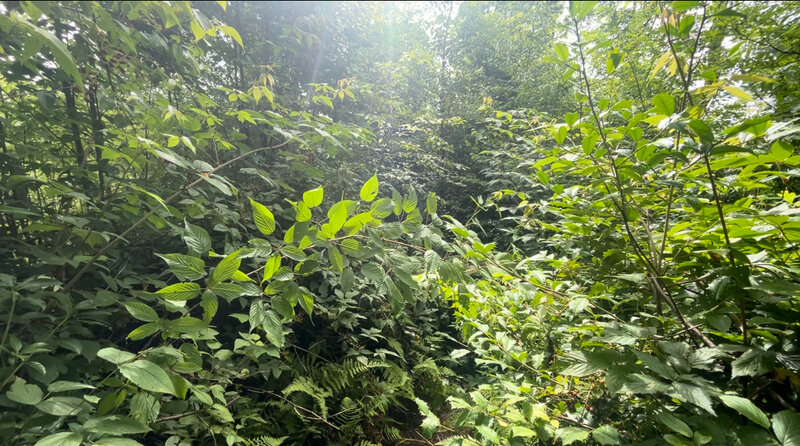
312, 223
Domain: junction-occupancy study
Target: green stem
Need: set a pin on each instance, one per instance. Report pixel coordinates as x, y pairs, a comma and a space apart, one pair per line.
10, 318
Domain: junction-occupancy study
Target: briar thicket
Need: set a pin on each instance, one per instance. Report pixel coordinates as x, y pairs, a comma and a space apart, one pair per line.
243, 223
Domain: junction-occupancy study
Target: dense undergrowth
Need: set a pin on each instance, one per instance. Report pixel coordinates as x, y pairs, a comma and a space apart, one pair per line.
476, 223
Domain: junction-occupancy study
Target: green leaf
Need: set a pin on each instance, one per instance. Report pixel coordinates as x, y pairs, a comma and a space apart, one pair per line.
753, 362
144, 331
431, 421
681, 6
580, 9
675, 424
61, 439
114, 355
116, 441
303, 212
180, 291
431, 204
664, 104
746, 408
781, 150
221, 413
148, 376
786, 425
184, 267
263, 218
271, 267
738, 92
488, 433
562, 51
66, 386
225, 269
23, 393
231, 32
370, 189
187, 324
569, 435
54, 44
335, 257
141, 311
273, 328
337, 215
313, 197
62, 405
196, 239
115, 424
702, 130
606, 435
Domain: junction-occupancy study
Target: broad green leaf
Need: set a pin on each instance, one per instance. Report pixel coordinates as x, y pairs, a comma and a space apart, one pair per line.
746, 408
144, 331
488, 434
54, 44
141, 311
231, 32
662, 60
580, 9
753, 362
196, 239
66, 386
303, 213
702, 130
682, 6
313, 197
606, 435
664, 104
116, 441
187, 324
225, 269
62, 405
738, 92
675, 424
148, 376
786, 425
431, 203
562, 51
61, 439
569, 435
431, 421
781, 150
23, 393
273, 328
271, 267
335, 258
183, 266
263, 218
370, 189
114, 355
115, 425
180, 291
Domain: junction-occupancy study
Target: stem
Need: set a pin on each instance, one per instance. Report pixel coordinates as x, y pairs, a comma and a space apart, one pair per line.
10, 318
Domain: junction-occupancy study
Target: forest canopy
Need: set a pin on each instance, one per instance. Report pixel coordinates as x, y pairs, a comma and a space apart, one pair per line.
435, 223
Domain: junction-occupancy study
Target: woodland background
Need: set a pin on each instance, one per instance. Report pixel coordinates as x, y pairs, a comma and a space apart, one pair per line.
542, 223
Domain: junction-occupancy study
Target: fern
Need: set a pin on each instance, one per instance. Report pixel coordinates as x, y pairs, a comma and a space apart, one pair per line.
338, 377
307, 386
264, 440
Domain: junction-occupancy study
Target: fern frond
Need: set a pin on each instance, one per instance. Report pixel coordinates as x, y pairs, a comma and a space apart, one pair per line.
264, 440
310, 388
